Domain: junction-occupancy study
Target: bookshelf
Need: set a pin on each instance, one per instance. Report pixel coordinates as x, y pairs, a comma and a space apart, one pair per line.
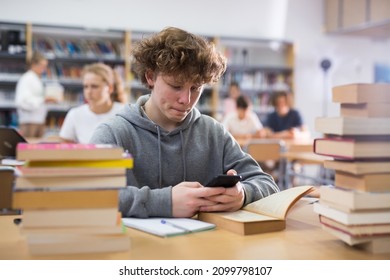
67, 49
261, 67
13, 50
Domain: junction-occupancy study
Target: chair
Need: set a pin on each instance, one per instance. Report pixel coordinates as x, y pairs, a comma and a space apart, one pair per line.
6, 190
266, 151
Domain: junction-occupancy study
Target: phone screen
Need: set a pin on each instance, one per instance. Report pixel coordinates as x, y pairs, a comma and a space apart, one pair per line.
226, 181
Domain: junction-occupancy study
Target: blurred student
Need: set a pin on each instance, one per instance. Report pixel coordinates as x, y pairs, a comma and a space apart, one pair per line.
104, 95
30, 98
244, 123
285, 122
229, 103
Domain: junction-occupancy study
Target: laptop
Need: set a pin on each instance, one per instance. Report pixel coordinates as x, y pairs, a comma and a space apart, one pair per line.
9, 138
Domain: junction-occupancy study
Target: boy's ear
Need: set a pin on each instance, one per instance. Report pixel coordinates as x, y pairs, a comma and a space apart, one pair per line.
150, 78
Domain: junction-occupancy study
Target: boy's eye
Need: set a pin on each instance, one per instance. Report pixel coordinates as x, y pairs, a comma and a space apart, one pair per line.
91, 86
196, 88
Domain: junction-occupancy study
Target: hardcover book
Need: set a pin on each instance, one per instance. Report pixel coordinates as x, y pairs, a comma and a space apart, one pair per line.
67, 151
76, 244
66, 199
68, 182
69, 218
362, 93
58, 172
353, 126
359, 167
265, 215
352, 148
353, 218
366, 110
353, 200
350, 239
125, 162
379, 182
357, 231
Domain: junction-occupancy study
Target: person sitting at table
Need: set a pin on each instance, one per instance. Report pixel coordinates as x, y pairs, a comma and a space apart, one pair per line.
229, 103
244, 123
284, 122
176, 149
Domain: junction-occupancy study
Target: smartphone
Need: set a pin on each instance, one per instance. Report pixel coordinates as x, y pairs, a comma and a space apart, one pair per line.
226, 181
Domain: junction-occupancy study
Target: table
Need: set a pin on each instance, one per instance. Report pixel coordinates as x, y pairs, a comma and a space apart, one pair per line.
302, 239
305, 158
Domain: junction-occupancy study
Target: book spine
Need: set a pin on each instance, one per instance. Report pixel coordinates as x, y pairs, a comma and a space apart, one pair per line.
62, 146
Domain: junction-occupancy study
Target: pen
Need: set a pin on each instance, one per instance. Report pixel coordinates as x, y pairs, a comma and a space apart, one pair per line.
165, 222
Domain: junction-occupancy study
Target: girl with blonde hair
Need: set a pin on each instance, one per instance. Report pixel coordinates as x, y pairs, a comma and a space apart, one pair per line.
104, 96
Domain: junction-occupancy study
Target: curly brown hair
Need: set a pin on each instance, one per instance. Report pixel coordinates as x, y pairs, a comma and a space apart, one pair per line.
175, 52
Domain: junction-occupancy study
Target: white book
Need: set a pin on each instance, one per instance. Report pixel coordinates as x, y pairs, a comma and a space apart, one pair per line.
166, 227
350, 200
349, 239
60, 218
353, 218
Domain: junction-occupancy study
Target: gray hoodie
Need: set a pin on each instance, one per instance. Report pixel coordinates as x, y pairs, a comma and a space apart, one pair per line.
199, 149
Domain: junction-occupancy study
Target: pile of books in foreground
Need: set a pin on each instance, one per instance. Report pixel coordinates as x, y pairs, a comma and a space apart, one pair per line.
69, 194
357, 209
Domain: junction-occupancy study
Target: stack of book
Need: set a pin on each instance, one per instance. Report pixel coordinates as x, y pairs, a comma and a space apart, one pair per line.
357, 209
69, 194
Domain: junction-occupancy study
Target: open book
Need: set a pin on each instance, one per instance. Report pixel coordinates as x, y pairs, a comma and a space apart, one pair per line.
265, 215
166, 227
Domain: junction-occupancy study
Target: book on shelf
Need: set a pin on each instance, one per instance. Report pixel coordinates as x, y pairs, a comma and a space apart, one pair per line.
70, 182
359, 167
366, 110
67, 151
167, 227
265, 215
353, 126
124, 162
353, 218
75, 244
379, 182
353, 200
47, 172
361, 93
54, 91
350, 239
357, 231
65, 199
70, 218
353, 148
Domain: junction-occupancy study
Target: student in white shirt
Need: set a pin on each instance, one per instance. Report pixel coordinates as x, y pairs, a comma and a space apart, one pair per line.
244, 123
104, 95
30, 98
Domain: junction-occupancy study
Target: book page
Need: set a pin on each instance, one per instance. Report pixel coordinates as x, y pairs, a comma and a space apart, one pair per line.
167, 226
278, 204
245, 216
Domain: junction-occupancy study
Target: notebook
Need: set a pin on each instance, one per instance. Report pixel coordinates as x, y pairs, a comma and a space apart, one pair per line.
166, 227
9, 138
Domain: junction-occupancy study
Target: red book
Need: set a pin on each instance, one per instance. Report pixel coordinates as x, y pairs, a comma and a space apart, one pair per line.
67, 151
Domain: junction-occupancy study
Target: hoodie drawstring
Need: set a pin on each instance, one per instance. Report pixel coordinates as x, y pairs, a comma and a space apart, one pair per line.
159, 157
183, 158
